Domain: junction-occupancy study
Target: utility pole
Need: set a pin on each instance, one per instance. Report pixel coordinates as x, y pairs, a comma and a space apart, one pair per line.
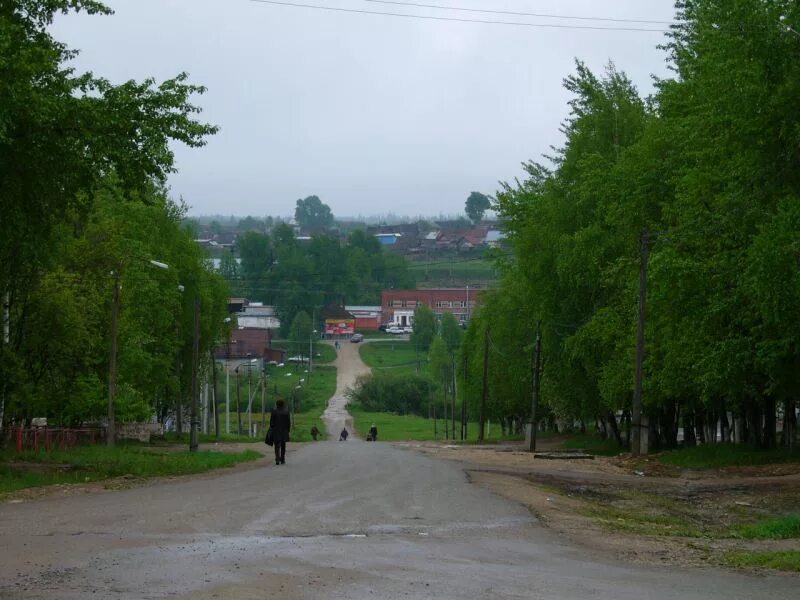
453, 411
238, 401
6, 343
535, 380
464, 402
636, 412
482, 424
112, 361
195, 383
214, 394
263, 396
249, 399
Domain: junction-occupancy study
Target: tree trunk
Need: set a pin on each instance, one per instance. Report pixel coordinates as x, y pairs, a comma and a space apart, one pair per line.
724, 426
754, 425
700, 427
601, 427
689, 438
612, 422
789, 423
770, 422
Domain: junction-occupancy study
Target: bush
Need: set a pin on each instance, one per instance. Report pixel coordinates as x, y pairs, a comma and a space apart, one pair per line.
387, 392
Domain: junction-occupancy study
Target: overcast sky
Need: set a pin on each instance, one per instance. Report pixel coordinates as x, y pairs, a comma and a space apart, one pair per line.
374, 114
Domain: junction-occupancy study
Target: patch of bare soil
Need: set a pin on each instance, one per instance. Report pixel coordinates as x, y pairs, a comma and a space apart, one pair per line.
637, 509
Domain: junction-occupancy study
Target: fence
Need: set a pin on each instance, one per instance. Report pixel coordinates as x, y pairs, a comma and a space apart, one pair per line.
52, 438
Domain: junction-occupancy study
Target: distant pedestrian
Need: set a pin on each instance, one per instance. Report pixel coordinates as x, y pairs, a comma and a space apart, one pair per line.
280, 424
315, 432
343, 435
336, 344
372, 436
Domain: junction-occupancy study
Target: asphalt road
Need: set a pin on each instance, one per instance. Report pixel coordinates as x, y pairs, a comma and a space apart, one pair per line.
340, 520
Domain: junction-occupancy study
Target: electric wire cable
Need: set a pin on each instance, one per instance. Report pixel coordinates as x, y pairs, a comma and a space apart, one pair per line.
518, 14
341, 9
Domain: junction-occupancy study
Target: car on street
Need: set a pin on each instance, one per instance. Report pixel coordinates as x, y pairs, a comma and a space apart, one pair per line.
394, 330
357, 337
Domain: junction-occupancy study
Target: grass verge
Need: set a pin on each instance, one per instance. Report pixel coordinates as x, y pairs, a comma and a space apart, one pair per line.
94, 463
778, 528
395, 355
787, 560
399, 428
716, 456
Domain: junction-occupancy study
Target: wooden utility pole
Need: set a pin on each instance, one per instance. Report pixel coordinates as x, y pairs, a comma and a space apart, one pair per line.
636, 412
535, 381
195, 417
482, 416
112, 360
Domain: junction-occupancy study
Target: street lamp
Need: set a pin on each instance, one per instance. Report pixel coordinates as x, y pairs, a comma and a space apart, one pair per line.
112, 361
249, 362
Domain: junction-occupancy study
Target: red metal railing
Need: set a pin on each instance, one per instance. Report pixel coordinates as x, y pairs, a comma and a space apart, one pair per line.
50, 438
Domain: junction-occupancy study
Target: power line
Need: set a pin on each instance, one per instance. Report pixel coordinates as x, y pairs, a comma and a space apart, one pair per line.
454, 19
518, 14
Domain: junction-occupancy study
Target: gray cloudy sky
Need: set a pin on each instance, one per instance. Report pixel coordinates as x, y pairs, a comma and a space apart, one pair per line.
374, 114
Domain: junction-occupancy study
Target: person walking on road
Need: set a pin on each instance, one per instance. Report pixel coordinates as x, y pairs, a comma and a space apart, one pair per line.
343, 435
315, 432
372, 436
280, 423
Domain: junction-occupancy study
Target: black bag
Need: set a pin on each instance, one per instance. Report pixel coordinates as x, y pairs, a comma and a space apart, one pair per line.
269, 439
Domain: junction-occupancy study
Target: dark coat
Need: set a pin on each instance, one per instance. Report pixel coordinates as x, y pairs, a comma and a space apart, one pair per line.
280, 424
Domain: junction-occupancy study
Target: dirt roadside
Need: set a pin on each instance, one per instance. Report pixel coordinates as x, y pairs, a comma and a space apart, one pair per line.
639, 511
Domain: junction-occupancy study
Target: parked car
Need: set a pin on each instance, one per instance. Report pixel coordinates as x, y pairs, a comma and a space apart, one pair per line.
357, 337
297, 359
408, 330
394, 330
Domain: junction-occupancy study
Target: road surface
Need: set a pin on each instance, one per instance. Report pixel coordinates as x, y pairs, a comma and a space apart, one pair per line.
339, 520
351, 520
349, 367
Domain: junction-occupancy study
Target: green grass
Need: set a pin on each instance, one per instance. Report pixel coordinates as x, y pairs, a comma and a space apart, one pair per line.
715, 456
173, 437
393, 355
655, 520
309, 401
592, 444
788, 560
442, 271
396, 428
327, 353
94, 463
317, 388
777, 528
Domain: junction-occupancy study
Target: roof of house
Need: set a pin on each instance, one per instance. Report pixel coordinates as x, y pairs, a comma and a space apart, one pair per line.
333, 311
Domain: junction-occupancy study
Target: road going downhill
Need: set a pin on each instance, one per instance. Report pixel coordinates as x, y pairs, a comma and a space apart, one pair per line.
349, 367
339, 520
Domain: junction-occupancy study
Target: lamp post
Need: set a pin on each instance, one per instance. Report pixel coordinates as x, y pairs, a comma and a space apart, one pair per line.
112, 360
248, 362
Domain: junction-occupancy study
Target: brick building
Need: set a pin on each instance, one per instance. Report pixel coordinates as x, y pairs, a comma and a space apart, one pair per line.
398, 306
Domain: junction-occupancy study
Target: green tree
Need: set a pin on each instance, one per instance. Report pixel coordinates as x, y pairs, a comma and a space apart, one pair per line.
425, 328
312, 214
300, 332
63, 138
476, 205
